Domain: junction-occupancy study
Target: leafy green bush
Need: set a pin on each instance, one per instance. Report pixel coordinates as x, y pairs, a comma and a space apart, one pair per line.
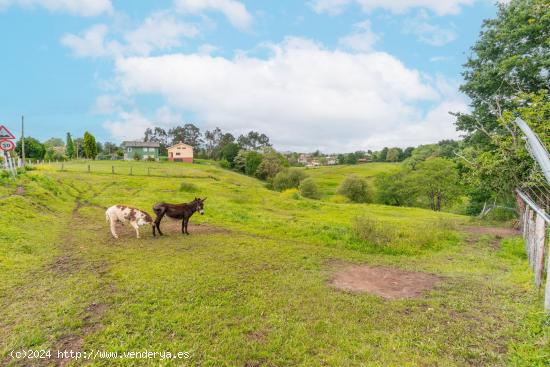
355, 188
308, 189
224, 163
188, 187
288, 179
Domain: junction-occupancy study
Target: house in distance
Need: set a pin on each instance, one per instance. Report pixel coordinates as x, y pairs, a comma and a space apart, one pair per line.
141, 150
180, 153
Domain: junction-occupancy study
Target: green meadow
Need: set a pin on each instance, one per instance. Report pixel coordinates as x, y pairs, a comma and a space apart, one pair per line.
328, 178
250, 285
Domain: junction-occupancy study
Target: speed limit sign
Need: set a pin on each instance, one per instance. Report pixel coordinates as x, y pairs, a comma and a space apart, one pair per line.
7, 145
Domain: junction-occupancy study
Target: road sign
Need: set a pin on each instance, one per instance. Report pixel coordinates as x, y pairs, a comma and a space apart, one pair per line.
7, 145
5, 133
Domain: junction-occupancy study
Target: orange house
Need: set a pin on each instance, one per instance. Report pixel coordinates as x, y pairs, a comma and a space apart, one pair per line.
180, 153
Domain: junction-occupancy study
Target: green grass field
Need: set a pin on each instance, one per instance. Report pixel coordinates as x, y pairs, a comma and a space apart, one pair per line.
249, 286
328, 178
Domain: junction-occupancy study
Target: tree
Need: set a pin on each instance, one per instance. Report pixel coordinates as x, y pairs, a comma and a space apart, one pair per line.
109, 148
54, 142
406, 153
510, 56
188, 134
79, 145
393, 154
383, 154
33, 148
308, 189
90, 146
253, 160
421, 153
229, 152
394, 189
272, 163
158, 135
506, 75
355, 188
70, 149
253, 141
351, 158
437, 180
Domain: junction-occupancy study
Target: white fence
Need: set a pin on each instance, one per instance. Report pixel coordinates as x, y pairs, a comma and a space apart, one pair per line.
535, 219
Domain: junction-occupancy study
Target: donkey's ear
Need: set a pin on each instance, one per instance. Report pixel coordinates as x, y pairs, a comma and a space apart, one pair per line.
204, 199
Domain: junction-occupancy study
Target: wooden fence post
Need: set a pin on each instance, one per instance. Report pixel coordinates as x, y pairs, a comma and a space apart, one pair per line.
62, 166
530, 238
130, 170
540, 243
88, 168
113, 170
547, 290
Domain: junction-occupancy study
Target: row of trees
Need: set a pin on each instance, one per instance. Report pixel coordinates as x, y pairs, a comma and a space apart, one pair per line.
506, 76
57, 149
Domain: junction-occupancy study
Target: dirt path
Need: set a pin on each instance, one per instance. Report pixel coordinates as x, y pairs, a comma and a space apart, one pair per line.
72, 262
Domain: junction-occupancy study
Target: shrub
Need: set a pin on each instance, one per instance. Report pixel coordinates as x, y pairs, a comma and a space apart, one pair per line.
188, 187
225, 164
355, 188
137, 157
288, 179
308, 189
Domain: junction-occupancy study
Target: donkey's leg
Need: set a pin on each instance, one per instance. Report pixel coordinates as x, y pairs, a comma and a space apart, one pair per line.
112, 222
136, 227
186, 224
183, 226
157, 221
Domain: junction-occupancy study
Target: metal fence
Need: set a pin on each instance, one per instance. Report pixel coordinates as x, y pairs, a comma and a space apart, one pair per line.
534, 204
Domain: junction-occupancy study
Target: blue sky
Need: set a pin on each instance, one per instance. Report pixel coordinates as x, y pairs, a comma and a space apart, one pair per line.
335, 75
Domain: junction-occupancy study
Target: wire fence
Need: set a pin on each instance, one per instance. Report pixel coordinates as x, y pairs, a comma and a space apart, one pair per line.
128, 168
534, 205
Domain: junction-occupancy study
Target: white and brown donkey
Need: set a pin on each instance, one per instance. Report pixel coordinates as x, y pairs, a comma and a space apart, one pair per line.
123, 214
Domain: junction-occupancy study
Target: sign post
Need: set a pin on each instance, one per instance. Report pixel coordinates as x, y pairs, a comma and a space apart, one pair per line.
7, 145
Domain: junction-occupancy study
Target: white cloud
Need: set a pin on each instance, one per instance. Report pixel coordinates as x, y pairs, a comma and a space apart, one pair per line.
440, 7
131, 125
428, 33
303, 96
91, 43
160, 31
74, 7
233, 10
361, 39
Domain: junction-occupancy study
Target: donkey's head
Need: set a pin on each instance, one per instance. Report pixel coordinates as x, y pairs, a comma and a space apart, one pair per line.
199, 205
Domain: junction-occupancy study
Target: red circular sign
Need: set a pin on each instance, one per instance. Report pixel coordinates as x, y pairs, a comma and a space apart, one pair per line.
7, 145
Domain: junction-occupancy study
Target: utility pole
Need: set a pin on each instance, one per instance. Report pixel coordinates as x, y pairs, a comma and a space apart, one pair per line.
23, 139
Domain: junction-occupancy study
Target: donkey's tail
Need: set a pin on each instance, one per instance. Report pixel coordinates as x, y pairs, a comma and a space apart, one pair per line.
107, 217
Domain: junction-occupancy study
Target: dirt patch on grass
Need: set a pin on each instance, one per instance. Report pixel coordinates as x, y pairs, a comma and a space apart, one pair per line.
74, 342
493, 231
171, 226
388, 283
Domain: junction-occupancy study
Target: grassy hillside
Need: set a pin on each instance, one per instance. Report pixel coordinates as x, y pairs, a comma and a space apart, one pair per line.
249, 286
328, 178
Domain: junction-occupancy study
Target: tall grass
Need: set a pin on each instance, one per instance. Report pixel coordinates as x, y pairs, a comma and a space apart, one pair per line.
387, 237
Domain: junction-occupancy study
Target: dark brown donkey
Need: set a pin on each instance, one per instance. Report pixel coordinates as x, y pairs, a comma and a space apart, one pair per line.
178, 211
